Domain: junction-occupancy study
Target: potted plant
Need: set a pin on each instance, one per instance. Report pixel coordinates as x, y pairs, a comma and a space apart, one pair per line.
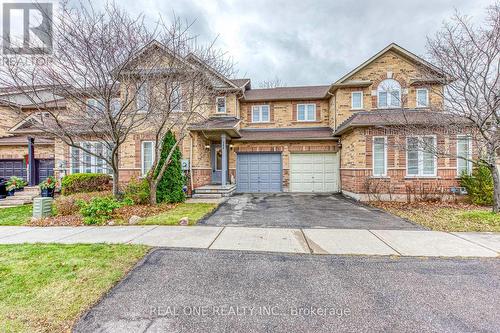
18, 182
47, 187
11, 185
11, 189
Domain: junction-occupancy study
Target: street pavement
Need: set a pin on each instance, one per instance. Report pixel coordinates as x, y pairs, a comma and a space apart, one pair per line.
198, 290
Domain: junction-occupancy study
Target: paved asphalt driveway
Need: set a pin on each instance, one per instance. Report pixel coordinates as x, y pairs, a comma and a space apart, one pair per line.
218, 291
303, 211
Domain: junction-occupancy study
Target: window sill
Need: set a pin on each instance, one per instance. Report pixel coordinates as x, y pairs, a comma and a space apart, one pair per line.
306, 121
380, 177
261, 123
354, 110
421, 177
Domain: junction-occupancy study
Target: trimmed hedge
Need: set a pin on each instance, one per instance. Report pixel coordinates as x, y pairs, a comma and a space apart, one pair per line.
85, 182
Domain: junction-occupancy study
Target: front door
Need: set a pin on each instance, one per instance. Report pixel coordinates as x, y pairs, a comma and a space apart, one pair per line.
216, 158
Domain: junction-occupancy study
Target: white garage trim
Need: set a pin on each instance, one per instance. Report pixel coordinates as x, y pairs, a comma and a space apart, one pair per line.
314, 172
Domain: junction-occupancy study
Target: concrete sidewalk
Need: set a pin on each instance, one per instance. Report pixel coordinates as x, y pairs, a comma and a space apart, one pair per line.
305, 241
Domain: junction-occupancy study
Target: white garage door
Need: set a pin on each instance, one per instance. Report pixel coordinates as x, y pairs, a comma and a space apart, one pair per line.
314, 172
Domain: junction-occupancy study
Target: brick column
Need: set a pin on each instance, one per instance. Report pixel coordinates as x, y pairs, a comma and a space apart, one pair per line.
224, 159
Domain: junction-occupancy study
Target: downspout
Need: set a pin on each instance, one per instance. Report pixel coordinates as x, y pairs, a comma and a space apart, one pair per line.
191, 161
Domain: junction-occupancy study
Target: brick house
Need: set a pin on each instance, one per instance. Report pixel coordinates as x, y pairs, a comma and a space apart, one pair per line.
344, 137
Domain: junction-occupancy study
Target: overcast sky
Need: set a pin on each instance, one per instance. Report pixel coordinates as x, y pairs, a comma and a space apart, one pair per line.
309, 41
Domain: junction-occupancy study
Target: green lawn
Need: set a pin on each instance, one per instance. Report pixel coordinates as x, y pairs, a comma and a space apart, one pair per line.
194, 211
450, 219
44, 288
15, 215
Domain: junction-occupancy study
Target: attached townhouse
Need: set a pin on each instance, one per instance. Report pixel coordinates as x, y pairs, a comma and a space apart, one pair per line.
344, 137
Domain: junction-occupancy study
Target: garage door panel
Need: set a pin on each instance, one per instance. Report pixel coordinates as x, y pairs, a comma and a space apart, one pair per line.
9, 168
315, 172
264, 173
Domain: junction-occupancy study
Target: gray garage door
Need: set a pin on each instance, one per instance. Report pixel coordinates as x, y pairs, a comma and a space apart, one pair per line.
9, 168
258, 172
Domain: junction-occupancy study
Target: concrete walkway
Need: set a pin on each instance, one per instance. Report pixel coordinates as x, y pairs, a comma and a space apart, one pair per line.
282, 240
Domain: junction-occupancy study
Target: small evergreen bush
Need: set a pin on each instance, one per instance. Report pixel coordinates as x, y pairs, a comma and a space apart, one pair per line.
479, 185
171, 184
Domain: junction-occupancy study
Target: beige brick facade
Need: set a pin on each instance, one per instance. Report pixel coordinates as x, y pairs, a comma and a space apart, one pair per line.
389, 65
283, 114
355, 146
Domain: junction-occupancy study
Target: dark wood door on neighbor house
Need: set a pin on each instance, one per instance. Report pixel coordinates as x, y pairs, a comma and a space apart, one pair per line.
44, 169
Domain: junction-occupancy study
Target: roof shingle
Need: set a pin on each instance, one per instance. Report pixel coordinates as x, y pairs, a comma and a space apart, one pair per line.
395, 117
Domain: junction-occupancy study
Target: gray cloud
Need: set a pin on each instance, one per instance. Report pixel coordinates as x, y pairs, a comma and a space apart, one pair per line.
309, 41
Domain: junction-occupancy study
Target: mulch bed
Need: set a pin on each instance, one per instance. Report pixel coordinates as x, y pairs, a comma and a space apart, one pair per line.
122, 214
126, 212
58, 221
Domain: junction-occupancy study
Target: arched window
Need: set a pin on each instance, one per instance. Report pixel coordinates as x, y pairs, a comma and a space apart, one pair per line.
389, 94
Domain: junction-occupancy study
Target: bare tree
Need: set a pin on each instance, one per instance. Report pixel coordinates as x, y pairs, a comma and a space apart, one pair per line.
182, 90
470, 57
273, 83
90, 68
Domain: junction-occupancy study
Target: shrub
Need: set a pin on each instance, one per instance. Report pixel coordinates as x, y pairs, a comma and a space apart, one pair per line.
98, 210
48, 184
479, 185
67, 205
137, 191
171, 184
85, 182
17, 182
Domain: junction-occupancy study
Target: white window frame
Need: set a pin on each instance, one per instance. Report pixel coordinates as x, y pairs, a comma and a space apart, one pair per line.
93, 159
469, 155
217, 104
426, 97
153, 155
352, 100
420, 159
389, 96
258, 109
178, 106
305, 112
99, 105
141, 109
385, 156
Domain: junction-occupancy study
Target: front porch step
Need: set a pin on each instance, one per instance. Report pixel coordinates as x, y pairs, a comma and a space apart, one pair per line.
207, 195
214, 191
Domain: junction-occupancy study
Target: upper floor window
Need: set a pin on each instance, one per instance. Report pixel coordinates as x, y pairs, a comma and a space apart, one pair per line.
221, 104
142, 98
116, 105
99, 105
380, 156
389, 94
95, 105
260, 113
176, 98
464, 154
357, 100
420, 156
147, 156
306, 112
422, 98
